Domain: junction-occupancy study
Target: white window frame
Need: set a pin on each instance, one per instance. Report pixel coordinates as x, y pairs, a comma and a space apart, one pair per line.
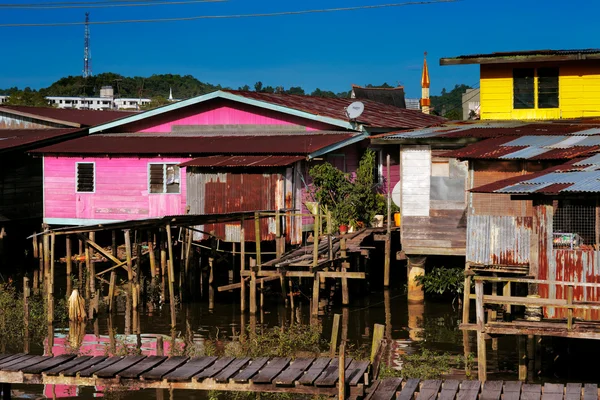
77, 175
164, 164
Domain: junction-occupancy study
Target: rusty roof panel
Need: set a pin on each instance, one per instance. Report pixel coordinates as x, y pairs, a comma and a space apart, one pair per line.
536, 140
498, 240
28, 138
243, 161
375, 115
525, 153
595, 159
154, 144
82, 117
490, 148
565, 154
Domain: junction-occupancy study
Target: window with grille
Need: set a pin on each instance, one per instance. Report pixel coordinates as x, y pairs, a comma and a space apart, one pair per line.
535, 88
163, 178
85, 177
574, 225
524, 88
548, 88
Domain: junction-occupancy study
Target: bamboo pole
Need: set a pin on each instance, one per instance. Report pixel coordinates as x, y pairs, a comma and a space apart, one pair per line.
151, 255
111, 291
127, 235
69, 262
92, 265
26, 294
87, 271
46, 242
171, 277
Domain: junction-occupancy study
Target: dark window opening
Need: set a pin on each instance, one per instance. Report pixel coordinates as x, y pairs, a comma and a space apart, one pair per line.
548, 88
85, 177
524, 88
164, 178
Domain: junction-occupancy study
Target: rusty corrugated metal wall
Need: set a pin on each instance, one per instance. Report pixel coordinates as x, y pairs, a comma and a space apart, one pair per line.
211, 193
493, 240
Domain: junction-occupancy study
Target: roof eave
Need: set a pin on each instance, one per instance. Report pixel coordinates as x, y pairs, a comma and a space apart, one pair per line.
518, 59
228, 96
40, 118
338, 145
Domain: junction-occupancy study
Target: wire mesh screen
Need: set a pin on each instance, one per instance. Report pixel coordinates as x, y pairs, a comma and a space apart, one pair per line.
574, 225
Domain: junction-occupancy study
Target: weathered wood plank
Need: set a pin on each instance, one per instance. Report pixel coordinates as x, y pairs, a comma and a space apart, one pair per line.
573, 391
50, 363
88, 372
492, 390
164, 368
387, 389
429, 389
449, 389
231, 369
296, 369
141, 367
553, 391
511, 390
469, 390
112, 370
408, 391
189, 369
214, 369
531, 392
314, 371
247, 373
330, 376
12, 359
356, 372
73, 370
590, 391
271, 370
27, 363
3, 356
70, 364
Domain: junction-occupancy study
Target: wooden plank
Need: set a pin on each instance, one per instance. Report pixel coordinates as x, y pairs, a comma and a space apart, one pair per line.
145, 365
449, 389
356, 372
469, 390
553, 391
51, 363
72, 371
3, 356
271, 370
408, 391
314, 371
296, 369
27, 363
17, 360
247, 373
189, 369
512, 390
119, 366
214, 369
590, 391
70, 364
232, 369
10, 359
387, 389
573, 391
533, 392
161, 370
491, 390
429, 389
88, 372
330, 376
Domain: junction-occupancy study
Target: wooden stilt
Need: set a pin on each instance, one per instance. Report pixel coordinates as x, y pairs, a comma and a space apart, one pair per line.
342, 373
52, 256
171, 277
188, 256
335, 331
316, 239
387, 256
111, 290
26, 294
522, 343
481, 349
80, 267
138, 259
242, 266
262, 295
252, 286
257, 238
36, 280
128, 257
345, 293
88, 277
92, 265
163, 268
69, 262
283, 287
315, 295
114, 248
151, 256
34, 241
160, 347
466, 300
291, 292
41, 272
46, 261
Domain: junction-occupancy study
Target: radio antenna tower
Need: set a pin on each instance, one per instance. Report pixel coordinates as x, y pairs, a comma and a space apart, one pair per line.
87, 56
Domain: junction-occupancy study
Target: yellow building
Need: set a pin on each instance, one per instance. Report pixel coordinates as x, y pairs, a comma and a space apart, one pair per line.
537, 85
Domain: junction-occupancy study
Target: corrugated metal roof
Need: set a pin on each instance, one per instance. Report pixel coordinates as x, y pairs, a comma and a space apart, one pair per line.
595, 159
243, 161
539, 141
523, 188
568, 142
566, 154
81, 117
11, 139
525, 154
531, 53
164, 144
590, 141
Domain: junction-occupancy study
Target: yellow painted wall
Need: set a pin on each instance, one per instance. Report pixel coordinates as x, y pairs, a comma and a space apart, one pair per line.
578, 91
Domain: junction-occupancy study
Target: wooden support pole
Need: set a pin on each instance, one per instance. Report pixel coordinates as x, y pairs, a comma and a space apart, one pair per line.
92, 265
26, 294
52, 256
345, 293
388, 238
88, 262
522, 344
160, 347
257, 238
188, 256
342, 373
80, 267
291, 293
335, 331
34, 241
416, 267
138, 259
506, 293
481, 350
171, 277
152, 256
278, 250
252, 286
127, 235
242, 266
316, 239
114, 248
163, 269
46, 242
466, 300
315, 295
111, 291
69, 262
569, 310
378, 333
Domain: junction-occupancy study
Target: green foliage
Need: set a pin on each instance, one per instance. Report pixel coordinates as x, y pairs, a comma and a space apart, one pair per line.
427, 364
27, 97
454, 114
442, 281
351, 202
449, 104
155, 102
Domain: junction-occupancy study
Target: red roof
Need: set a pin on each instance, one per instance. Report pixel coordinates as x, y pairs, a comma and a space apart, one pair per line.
11, 139
376, 114
80, 117
243, 161
549, 129
486, 149
173, 144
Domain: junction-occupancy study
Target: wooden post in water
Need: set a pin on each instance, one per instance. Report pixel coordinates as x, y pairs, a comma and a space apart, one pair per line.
257, 238
69, 262
378, 332
252, 286
242, 266
522, 344
46, 239
171, 277
160, 347
163, 267
127, 235
51, 279
80, 266
111, 290
188, 256
315, 295
92, 265
335, 331
26, 294
387, 256
342, 373
481, 350
152, 255
114, 248
316, 239
466, 297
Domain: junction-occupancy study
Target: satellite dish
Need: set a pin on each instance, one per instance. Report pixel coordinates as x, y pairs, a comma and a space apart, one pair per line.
355, 110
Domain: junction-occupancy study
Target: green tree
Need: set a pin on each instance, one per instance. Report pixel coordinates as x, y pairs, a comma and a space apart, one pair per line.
258, 86
27, 97
448, 102
323, 93
155, 102
295, 90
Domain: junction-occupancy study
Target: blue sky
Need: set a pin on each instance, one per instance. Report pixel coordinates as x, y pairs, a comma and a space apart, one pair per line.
329, 50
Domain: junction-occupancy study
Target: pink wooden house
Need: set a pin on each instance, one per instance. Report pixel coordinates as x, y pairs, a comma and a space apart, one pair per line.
135, 167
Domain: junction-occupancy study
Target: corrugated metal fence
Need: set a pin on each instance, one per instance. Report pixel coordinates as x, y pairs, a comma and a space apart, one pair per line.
495, 240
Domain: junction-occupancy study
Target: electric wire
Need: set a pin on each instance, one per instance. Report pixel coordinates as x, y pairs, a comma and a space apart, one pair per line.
102, 4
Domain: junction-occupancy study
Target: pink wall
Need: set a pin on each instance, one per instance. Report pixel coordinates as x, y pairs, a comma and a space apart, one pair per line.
121, 191
221, 113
